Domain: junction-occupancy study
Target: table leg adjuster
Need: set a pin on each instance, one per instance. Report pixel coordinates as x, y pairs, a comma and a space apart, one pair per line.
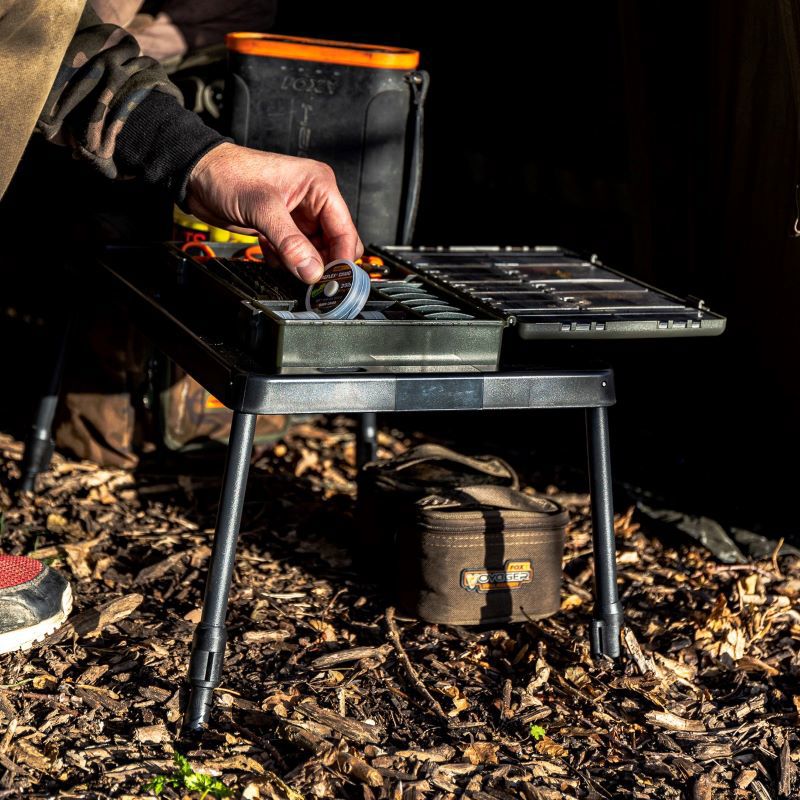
604, 632
208, 652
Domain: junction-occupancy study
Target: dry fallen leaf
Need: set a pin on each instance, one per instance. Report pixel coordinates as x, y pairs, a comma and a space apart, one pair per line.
547, 747
326, 630
571, 601
482, 753
44, 681
723, 633
56, 523
460, 703
152, 733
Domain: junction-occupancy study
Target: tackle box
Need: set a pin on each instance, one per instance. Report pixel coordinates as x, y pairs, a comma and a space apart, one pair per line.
448, 309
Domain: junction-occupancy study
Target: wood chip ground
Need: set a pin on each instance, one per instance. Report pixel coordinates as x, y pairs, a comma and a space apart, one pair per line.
329, 693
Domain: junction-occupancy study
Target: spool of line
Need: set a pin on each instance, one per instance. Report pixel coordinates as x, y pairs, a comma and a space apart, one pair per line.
341, 292
295, 314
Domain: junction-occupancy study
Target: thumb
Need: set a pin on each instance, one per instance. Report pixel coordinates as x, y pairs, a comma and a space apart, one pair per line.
298, 255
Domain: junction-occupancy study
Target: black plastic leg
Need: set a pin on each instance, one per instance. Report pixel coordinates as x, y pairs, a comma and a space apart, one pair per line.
607, 617
366, 438
208, 646
39, 444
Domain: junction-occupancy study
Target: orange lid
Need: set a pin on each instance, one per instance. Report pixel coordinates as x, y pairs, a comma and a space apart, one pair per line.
351, 54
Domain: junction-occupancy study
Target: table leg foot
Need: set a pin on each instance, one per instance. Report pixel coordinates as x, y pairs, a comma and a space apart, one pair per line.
205, 674
198, 712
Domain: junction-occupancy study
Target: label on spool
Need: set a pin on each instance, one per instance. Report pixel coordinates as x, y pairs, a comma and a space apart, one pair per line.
341, 292
332, 288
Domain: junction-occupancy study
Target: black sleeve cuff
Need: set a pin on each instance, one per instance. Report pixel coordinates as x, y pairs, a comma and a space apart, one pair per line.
161, 142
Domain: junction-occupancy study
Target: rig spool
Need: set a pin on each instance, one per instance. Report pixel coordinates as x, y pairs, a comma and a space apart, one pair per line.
341, 292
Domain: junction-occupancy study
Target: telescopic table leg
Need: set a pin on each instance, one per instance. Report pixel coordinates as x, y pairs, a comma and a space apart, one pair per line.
607, 617
208, 646
39, 443
366, 438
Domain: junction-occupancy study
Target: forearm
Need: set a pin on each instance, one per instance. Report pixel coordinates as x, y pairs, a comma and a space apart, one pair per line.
118, 110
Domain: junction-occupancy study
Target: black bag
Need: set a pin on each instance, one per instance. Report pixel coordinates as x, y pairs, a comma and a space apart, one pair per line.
357, 107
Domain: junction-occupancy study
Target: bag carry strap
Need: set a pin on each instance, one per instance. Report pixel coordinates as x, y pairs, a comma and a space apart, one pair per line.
493, 466
419, 81
496, 497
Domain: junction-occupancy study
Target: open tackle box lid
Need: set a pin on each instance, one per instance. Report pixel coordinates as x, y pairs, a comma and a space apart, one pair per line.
554, 293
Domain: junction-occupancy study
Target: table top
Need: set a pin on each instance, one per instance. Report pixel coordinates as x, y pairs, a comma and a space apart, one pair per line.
239, 382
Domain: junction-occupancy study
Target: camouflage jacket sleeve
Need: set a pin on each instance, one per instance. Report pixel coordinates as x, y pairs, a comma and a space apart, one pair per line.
118, 110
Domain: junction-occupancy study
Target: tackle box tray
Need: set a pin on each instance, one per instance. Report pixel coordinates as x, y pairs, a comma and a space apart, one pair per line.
554, 293
238, 305
448, 309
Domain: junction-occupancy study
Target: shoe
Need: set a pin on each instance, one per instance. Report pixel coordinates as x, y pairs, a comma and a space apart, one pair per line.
34, 601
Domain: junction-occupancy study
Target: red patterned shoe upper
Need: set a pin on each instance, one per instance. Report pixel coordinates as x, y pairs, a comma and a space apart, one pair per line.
16, 570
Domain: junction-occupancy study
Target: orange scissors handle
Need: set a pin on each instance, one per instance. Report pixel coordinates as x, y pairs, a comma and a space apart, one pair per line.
253, 253
203, 248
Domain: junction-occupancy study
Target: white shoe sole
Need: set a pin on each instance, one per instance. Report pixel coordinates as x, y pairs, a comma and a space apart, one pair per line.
25, 638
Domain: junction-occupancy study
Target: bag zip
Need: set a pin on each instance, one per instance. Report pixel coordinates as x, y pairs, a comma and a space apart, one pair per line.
482, 528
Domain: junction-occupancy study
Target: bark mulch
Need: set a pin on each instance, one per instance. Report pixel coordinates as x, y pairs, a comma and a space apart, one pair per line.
328, 692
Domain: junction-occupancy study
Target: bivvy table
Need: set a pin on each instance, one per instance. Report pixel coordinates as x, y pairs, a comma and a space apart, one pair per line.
245, 388
263, 394
592, 390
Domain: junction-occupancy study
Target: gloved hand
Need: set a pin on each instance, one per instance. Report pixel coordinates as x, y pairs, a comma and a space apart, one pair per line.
293, 204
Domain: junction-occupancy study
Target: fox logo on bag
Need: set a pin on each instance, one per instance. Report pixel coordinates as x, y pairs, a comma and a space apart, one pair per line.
512, 576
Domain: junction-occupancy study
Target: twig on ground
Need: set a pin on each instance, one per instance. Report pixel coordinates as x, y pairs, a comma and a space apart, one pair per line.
413, 675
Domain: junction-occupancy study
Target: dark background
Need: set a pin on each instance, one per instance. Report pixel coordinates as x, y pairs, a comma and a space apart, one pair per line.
661, 136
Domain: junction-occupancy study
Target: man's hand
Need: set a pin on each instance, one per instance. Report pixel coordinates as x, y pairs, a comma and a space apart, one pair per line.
292, 203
